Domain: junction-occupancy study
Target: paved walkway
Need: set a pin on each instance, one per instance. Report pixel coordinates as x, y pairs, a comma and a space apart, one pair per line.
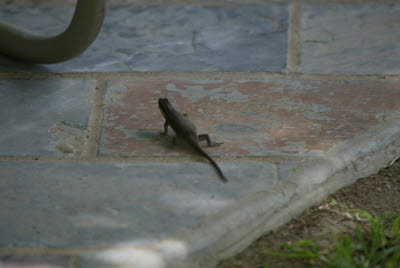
305, 97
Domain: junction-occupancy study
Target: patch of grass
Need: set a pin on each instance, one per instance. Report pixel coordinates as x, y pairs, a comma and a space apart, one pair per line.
375, 242
333, 202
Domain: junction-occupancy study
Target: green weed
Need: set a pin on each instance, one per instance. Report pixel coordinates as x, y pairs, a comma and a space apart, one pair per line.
375, 242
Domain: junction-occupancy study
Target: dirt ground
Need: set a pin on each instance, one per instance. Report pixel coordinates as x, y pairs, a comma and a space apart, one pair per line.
377, 194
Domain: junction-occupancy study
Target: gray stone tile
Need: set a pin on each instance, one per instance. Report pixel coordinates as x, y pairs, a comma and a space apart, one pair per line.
44, 261
168, 38
351, 39
285, 169
78, 204
44, 117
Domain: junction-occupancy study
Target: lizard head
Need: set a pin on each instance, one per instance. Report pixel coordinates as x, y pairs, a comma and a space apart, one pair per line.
164, 105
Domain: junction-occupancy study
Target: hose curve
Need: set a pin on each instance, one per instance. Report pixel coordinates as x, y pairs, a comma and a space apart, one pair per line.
81, 32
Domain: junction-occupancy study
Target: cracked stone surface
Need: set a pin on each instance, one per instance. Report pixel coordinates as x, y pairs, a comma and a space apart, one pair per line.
44, 117
167, 38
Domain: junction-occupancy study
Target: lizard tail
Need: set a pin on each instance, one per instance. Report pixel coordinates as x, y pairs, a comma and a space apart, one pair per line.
205, 155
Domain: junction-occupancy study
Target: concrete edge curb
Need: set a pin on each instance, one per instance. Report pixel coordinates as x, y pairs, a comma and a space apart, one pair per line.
232, 230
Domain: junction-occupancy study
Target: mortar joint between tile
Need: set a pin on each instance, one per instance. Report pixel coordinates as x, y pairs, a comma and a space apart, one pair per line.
95, 120
294, 38
149, 159
72, 251
159, 76
28, 3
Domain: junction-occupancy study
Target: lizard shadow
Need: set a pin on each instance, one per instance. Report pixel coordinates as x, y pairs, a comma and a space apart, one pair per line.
173, 143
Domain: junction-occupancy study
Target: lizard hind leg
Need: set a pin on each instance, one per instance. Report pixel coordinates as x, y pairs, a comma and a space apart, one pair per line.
206, 137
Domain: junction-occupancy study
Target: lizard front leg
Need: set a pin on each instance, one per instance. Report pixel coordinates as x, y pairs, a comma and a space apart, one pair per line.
206, 137
165, 128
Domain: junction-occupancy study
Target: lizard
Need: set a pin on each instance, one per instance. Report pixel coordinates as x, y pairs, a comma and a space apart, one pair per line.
186, 130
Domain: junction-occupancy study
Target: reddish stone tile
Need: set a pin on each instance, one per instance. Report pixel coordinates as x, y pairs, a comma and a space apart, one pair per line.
271, 117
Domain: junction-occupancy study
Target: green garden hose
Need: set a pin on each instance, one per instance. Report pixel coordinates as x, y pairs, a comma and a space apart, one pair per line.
81, 32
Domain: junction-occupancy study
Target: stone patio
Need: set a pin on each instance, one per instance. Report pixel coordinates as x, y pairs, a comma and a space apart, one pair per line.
305, 97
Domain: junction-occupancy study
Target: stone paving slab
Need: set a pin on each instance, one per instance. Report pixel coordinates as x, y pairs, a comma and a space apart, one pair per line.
167, 38
252, 118
41, 261
103, 204
44, 117
350, 39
